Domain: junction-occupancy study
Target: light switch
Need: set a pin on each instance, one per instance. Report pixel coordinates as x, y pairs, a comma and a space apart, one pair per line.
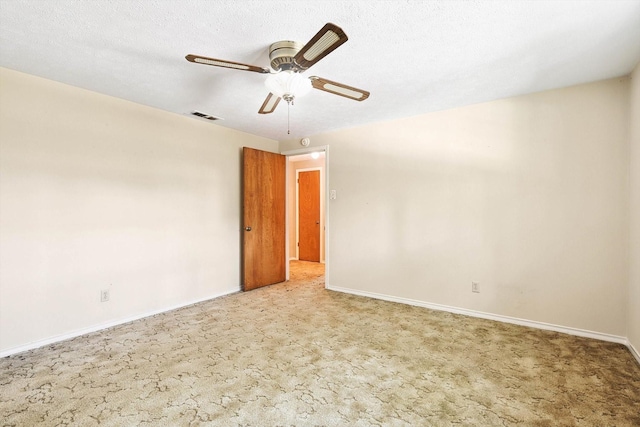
333, 195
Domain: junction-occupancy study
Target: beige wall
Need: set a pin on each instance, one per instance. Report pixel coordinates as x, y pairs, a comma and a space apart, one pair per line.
291, 202
633, 320
99, 193
527, 196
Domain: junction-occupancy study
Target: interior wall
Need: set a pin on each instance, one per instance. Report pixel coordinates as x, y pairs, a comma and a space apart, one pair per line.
291, 202
100, 193
633, 320
527, 196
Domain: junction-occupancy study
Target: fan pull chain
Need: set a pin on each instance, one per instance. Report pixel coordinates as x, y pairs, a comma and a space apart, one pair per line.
288, 118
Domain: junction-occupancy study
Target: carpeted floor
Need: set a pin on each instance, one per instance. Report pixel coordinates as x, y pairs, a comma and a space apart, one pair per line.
295, 354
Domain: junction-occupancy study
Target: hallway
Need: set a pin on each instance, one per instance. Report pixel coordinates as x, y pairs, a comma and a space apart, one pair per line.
306, 271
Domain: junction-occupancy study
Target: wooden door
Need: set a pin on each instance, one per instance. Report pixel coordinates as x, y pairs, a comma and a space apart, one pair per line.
309, 216
263, 243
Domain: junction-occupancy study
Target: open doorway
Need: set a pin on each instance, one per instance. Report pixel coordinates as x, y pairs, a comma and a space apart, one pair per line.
306, 213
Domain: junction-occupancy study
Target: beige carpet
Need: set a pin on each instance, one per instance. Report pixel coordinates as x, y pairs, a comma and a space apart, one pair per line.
297, 354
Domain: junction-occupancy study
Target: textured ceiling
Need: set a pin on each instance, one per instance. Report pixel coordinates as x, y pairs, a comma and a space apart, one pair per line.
413, 56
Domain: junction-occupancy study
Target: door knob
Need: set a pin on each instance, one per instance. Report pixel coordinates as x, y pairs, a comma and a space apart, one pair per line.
247, 228
317, 222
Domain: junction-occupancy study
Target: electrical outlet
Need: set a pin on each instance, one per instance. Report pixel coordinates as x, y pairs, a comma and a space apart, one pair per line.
104, 295
475, 287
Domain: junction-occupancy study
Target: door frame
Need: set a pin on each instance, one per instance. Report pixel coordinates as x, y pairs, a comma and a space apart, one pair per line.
327, 222
322, 202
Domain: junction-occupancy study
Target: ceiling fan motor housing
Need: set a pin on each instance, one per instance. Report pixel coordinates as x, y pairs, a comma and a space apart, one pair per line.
281, 54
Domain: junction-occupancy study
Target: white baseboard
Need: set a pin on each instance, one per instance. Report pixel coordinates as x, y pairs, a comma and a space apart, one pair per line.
101, 326
633, 351
490, 316
439, 307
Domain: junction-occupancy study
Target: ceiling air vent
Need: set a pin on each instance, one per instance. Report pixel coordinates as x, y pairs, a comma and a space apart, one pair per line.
205, 116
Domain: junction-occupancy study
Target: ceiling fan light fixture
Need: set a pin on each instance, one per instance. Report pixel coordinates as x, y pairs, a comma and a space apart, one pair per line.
288, 60
288, 85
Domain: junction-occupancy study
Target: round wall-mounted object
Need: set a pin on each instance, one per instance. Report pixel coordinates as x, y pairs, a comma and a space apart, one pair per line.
305, 142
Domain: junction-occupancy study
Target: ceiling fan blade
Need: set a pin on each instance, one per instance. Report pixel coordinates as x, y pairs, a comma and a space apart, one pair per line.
269, 104
339, 89
323, 43
225, 64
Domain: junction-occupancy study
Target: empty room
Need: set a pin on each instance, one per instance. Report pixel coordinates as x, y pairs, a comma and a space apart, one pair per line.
319, 213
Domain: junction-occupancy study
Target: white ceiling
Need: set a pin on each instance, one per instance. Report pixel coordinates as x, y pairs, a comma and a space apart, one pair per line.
413, 56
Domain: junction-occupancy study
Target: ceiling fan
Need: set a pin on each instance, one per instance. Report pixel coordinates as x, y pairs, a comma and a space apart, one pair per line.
288, 60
